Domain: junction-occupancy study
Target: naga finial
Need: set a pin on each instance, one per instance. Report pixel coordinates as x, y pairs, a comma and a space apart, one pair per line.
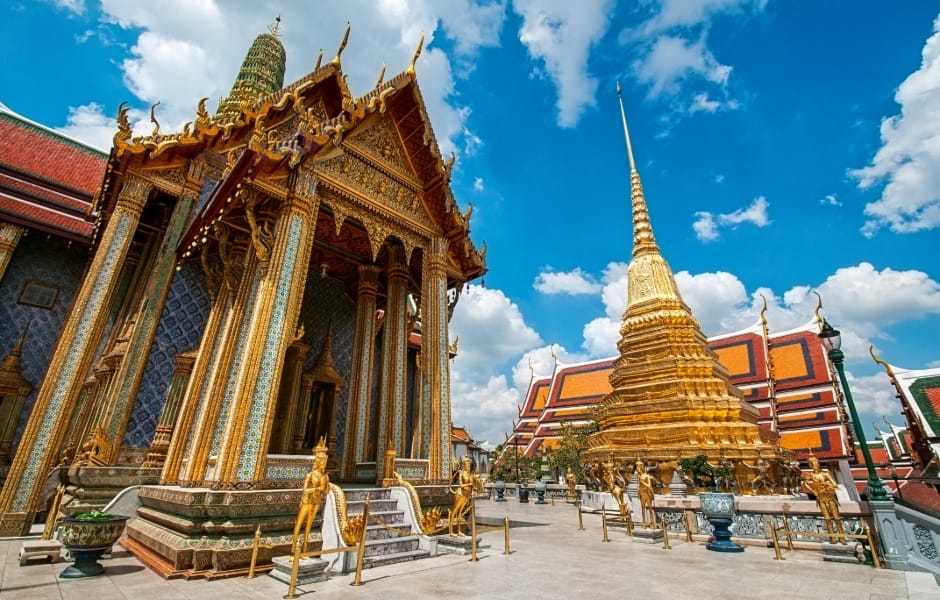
763, 311
153, 119
276, 27
342, 47
319, 60
381, 76
888, 369
202, 115
124, 131
819, 319
414, 59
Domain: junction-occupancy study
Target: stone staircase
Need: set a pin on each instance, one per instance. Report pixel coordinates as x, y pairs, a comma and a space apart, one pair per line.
390, 536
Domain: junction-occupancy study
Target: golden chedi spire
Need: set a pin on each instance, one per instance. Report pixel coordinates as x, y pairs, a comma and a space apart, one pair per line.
261, 73
670, 397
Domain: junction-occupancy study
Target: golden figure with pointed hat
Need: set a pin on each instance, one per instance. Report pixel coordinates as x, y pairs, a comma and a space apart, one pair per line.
821, 484
463, 495
316, 486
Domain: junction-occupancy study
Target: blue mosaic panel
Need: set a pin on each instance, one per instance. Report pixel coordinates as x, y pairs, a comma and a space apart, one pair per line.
325, 303
181, 325
52, 261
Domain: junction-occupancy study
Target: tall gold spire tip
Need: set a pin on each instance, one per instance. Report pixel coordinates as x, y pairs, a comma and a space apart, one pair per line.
275, 28
342, 47
626, 130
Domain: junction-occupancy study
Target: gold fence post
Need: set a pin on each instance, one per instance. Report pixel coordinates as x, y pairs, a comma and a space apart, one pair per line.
874, 551
295, 567
254, 553
666, 545
473, 531
506, 528
53, 516
775, 539
580, 518
688, 525
604, 521
786, 531
362, 543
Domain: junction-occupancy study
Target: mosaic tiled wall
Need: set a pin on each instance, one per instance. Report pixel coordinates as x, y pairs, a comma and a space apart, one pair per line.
51, 261
180, 329
326, 303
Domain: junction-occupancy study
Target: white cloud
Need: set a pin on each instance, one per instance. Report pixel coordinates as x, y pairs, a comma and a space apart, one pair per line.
492, 333
909, 158
560, 34
574, 283
874, 396
830, 200
89, 124
674, 60
478, 184
756, 214
76, 7
706, 226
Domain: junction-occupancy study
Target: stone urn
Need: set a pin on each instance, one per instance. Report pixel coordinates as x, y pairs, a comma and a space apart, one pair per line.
540, 487
500, 487
523, 490
718, 508
87, 536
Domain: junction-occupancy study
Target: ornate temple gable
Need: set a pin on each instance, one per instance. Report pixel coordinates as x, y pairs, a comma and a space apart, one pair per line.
379, 140
353, 175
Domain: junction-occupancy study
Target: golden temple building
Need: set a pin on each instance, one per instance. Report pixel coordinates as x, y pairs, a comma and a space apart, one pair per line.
670, 397
282, 270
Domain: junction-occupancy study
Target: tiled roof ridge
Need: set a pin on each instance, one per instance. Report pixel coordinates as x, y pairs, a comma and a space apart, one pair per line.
26, 123
51, 183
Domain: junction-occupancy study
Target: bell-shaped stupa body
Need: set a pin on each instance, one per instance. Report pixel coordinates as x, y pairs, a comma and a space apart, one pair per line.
261, 73
671, 398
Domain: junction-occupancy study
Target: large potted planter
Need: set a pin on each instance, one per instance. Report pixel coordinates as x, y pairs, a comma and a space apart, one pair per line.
87, 536
540, 487
523, 491
718, 508
500, 487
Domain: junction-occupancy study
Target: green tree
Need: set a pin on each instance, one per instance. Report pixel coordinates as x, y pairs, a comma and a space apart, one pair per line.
572, 442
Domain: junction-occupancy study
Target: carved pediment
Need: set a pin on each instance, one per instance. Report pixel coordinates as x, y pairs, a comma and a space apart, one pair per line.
375, 185
379, 139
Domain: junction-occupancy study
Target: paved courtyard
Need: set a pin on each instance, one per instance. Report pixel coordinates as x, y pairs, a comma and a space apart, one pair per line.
549, 558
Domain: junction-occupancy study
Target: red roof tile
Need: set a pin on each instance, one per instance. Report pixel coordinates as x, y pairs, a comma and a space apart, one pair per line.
33, 149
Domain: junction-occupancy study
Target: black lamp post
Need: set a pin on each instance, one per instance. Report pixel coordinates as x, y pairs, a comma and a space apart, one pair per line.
832, 341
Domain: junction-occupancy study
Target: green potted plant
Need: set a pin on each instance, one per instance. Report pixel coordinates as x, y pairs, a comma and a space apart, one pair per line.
87, 536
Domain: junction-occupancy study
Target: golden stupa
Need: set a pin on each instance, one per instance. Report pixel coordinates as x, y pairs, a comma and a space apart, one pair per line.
671, 398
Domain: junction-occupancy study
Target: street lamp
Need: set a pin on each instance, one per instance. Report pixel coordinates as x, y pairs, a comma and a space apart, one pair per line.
832, 341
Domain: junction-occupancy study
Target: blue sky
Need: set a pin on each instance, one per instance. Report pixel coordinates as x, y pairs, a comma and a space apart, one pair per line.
784, 147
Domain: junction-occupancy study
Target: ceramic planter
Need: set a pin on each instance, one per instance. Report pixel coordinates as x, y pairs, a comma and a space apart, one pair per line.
87, 540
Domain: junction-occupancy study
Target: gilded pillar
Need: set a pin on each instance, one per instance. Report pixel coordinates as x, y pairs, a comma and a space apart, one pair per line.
285, 260
10, 235
123, 390
174, 397
73, 355
434, 351
360, 385
394, 352
217, 366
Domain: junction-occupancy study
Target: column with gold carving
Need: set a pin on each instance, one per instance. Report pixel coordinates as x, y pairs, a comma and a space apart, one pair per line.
214, 370
394, 352
174, 396
360, 385
283, 273
10, 235
49, 417
123, 390
434, 352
